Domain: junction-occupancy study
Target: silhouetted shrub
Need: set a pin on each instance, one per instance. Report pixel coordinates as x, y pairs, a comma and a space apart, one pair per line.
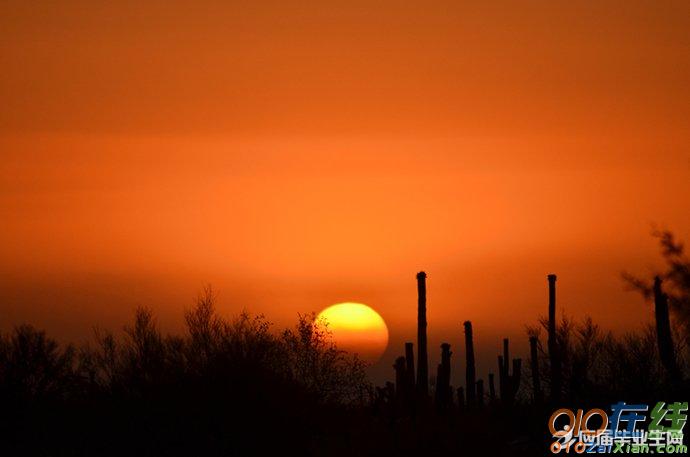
33, 366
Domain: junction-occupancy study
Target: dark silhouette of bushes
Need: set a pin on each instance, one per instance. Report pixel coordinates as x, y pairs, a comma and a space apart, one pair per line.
235, 387
33, 366
225, 388
597, 367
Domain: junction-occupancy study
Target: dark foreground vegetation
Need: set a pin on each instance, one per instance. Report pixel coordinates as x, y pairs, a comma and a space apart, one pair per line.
236, 388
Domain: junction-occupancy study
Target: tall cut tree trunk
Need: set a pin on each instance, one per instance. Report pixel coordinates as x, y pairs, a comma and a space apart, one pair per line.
554, 350
470, 371
509, 384
505, 388
422, 355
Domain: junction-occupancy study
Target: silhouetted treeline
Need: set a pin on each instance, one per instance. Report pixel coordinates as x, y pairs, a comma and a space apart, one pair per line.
224, 388
234, 387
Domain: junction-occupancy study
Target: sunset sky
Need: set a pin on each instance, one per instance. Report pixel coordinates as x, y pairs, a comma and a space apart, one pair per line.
300, 154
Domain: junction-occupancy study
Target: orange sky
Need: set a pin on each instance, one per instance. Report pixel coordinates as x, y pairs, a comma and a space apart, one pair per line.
298, 155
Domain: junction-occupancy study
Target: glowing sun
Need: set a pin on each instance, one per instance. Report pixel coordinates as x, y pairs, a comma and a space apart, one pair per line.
356, 328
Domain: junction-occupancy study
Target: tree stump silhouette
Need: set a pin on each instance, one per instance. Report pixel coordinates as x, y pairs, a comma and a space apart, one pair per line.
554, 350
470, 370
422, 355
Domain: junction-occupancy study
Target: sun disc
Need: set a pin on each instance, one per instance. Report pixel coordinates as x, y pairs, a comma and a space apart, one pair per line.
356, 328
